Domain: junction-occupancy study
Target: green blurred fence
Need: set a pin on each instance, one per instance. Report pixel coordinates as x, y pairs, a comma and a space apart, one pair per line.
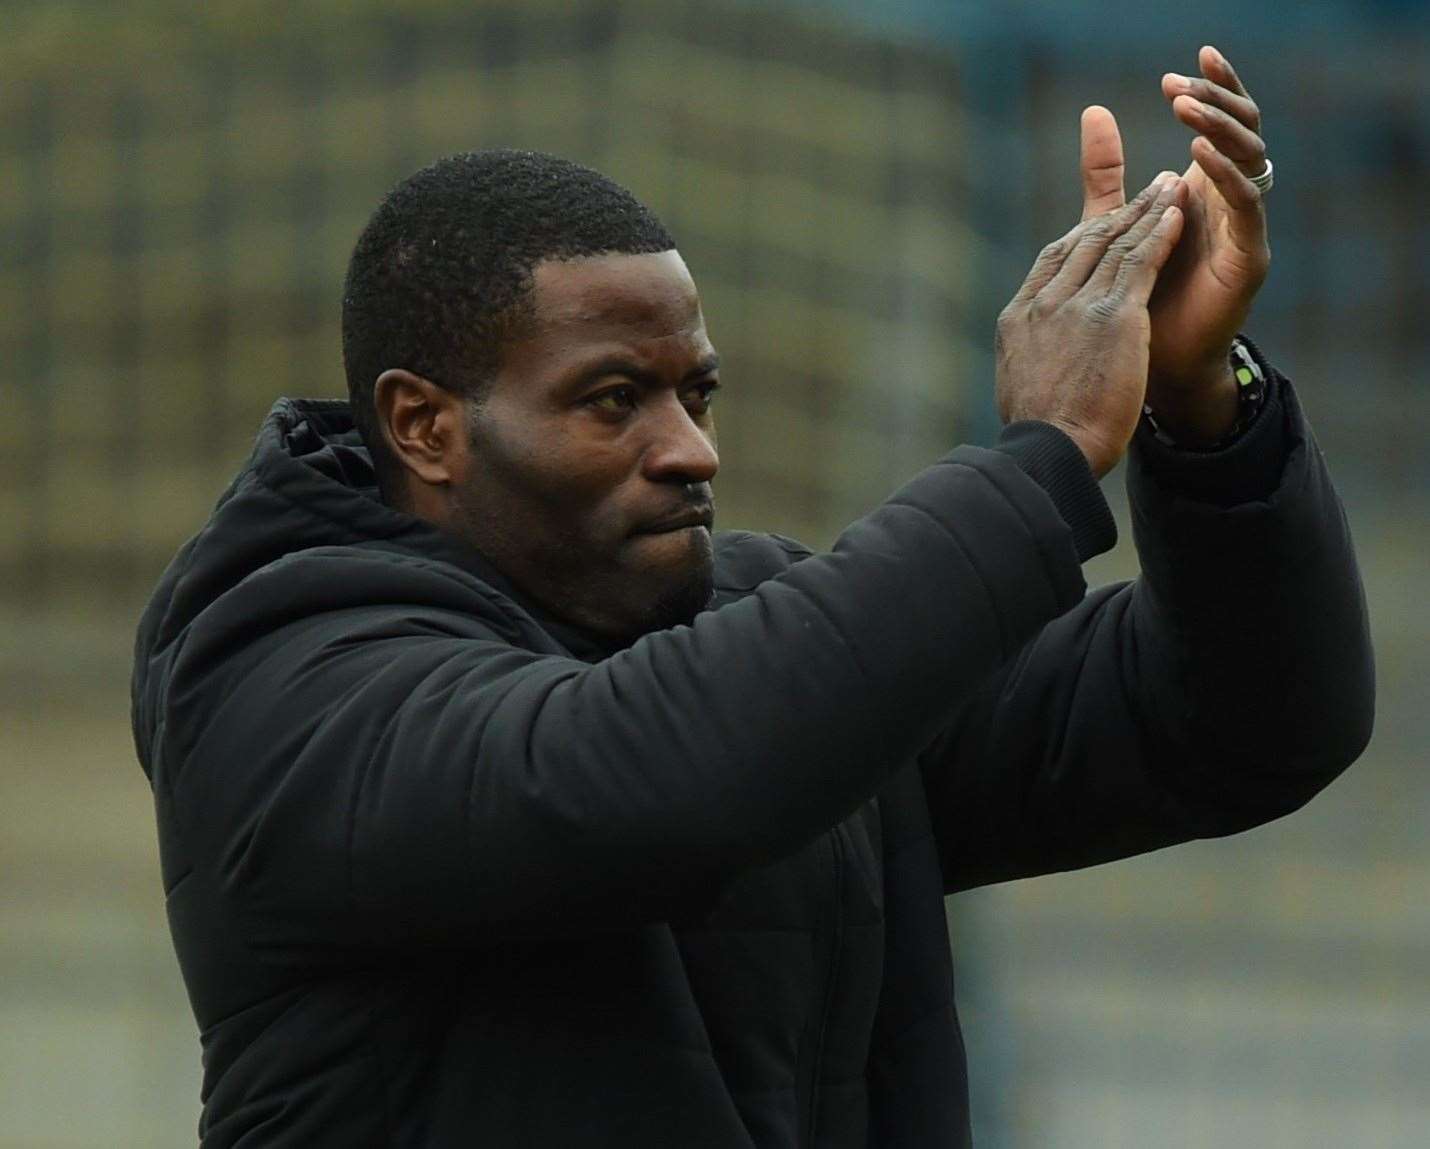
177, 227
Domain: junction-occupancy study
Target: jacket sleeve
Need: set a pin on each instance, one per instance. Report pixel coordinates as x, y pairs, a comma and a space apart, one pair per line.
371, 775
1223, 688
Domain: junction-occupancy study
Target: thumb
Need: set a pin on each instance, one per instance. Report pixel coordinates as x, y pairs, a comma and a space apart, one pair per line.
1102, 163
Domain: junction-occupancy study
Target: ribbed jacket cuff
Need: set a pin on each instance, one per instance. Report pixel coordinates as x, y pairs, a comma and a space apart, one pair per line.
1053, 461
1246, 470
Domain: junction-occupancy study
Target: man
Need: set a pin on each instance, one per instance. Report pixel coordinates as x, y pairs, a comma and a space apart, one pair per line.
501, 803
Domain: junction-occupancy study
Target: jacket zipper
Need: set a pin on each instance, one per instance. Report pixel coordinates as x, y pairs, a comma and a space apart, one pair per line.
836, 843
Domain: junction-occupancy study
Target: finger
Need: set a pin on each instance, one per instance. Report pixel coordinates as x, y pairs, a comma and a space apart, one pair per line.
1230, 137
1241, 108
1217, 67
1106, 232
1247, 218
1138, 271
1100, 282
1090, 244
1103, 168
1050, 260
1053, 258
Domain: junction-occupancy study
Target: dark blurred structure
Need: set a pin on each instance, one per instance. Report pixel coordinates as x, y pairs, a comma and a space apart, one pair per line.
179, 190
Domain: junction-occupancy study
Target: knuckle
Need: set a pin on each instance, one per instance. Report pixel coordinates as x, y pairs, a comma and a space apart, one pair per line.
1144, 198
1103, 310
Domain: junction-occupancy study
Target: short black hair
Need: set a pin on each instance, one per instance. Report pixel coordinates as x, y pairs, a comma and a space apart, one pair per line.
441, 275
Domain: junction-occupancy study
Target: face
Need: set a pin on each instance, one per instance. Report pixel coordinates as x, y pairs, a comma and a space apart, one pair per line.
586, 476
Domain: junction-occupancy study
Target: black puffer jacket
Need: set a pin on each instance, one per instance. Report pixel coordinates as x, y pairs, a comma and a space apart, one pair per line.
441, 872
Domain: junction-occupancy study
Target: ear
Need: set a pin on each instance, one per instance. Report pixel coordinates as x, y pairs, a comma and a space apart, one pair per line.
423, 425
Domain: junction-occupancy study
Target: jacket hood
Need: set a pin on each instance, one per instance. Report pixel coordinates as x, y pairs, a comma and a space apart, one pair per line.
308, 483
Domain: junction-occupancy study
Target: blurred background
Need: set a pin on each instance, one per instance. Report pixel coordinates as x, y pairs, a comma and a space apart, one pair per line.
858, 189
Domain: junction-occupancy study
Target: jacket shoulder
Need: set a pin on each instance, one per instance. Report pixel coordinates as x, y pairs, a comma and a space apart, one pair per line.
339, 580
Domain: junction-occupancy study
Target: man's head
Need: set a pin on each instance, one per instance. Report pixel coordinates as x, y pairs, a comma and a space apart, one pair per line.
528, 364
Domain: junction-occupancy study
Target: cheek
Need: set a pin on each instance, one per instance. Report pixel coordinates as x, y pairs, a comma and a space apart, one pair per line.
579, 479
564, 479
576, 490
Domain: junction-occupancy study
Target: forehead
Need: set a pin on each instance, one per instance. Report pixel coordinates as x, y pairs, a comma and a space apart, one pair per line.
644, 296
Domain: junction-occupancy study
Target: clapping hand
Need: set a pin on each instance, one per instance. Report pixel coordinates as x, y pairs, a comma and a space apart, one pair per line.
1072, 344
1204, 292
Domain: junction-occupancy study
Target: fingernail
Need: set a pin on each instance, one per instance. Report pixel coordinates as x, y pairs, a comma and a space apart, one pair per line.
1178, 80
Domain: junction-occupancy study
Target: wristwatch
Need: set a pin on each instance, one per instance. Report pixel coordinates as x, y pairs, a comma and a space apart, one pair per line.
1251, 397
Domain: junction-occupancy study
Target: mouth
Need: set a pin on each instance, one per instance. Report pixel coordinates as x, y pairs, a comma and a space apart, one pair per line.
684, 519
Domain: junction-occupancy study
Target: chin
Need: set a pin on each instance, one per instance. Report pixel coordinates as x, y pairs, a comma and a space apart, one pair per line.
677, 606
678, 589
652, 582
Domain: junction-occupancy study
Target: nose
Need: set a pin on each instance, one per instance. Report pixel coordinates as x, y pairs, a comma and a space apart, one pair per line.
680, 449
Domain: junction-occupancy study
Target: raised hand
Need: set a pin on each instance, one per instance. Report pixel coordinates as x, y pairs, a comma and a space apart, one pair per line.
1072, 344
1204, 294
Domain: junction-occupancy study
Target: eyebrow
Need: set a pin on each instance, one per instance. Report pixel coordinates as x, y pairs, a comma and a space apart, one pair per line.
620, 364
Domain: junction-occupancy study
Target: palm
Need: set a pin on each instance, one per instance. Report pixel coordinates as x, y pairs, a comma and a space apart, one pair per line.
1204, 293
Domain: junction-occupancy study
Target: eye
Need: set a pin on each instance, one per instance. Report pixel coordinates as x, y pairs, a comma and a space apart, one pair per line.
615, 401
699, 397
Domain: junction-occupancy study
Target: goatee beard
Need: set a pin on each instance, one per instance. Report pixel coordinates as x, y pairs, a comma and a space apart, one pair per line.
682, 601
